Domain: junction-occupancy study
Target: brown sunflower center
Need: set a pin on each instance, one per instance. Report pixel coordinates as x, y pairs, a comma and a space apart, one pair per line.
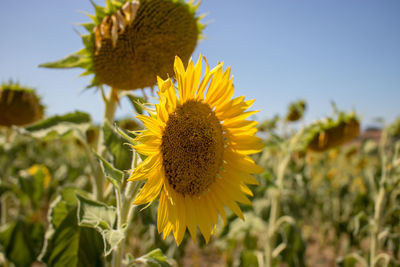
192, 148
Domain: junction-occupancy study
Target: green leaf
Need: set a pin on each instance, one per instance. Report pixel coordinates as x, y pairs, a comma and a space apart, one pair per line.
137, 103
60, 125
248, 259
112, 174
69, 244
74, 60
21, 242
95, 214
154, 258
122, 157
111, 239
102, 218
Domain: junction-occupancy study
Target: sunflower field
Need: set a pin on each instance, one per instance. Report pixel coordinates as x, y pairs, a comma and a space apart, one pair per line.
192, 178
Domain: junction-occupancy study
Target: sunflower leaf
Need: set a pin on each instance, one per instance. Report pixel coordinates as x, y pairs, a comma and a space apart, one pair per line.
112, 174
121, 155
154, 258
21, 241
95, 214
67, 243
60, 125
102, 218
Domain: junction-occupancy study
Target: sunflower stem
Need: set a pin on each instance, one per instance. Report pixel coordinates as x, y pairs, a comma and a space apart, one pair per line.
125, 210
4, 201
111, 103
274, 211
96, 170
276, 196
379, 201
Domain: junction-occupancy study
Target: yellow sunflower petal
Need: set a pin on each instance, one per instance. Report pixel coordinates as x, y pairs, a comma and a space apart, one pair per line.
180, 224
231, 122
153, 125
207, 77
203, 219
191, 220
179, 74
150, 190
233, 191
162, 217
231, 204
242, 162
218, 204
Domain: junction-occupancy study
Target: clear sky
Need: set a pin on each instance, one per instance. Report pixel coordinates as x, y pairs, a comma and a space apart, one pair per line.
347, 51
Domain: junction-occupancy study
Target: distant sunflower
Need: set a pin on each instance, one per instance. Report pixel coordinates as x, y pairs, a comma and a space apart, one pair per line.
19, 105
197, 145
130, 43
329, 133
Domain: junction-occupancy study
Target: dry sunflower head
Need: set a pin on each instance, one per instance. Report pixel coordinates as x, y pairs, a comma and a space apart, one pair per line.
331, 133
296, 110
130, 43
19, 105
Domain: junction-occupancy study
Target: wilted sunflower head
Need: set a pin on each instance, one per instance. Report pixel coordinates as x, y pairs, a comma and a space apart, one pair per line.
330, 133
19, 105
197, 144
296, 110
130, 43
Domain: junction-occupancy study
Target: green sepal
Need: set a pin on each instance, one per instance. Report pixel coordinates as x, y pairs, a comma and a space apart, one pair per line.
75, 60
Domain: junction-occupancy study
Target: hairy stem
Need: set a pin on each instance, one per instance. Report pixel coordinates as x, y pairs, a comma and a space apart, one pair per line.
125, 210
274, 211
379, 202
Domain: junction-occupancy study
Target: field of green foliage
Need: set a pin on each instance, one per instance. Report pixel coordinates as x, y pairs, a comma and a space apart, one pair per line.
77, 193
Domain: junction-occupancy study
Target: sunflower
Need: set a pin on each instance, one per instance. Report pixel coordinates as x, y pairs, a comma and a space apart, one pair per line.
329, 133
296, 110
19, 105
131, 42
197, 144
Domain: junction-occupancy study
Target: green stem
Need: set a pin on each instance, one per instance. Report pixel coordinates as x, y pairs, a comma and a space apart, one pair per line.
125, 210
274, 212
4, 200
379, 201
111, 104
98, 177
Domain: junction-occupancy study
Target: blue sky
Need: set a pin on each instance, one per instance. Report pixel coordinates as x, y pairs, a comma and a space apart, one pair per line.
347, 51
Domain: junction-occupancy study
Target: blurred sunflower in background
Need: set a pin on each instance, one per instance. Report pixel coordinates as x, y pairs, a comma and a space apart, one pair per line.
296, 110
130, 43
329, 133
19, 105
197, 144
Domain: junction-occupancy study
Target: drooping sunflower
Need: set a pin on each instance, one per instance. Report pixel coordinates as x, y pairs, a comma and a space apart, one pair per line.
131, 42
197, 144
296, 110
19, 105
330, 132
